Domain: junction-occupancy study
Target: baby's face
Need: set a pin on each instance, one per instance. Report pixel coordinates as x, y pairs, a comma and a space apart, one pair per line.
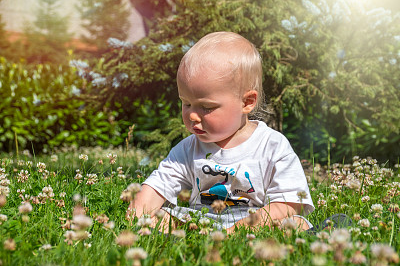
211, 106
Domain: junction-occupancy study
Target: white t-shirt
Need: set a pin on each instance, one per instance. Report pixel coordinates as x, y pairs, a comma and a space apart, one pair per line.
261, 170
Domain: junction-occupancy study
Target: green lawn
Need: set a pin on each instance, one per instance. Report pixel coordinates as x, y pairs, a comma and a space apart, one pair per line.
75, 216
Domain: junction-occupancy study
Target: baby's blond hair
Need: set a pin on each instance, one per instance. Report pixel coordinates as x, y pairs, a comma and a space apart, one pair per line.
230, 55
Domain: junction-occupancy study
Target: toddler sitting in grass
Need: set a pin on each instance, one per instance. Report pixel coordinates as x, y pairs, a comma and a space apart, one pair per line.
229, 158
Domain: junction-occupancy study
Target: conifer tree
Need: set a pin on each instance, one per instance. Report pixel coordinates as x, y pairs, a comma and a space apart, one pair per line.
48, 35
3, 38
104, 19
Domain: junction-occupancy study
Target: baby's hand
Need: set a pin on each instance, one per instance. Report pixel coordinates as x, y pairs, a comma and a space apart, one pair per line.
230, 230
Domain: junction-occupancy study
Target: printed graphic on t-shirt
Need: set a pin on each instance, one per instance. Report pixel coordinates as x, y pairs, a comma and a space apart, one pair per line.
226, 183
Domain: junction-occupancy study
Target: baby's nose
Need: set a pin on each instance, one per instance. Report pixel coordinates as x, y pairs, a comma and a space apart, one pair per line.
194, 117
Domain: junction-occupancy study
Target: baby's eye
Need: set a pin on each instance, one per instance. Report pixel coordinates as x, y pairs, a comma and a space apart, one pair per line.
208, 109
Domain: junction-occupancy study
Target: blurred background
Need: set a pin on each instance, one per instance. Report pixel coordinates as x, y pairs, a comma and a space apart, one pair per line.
102, 72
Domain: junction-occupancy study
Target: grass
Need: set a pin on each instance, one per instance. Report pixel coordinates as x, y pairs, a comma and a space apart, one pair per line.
366, 191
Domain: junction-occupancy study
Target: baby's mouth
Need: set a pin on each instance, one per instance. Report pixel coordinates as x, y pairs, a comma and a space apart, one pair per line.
198, 131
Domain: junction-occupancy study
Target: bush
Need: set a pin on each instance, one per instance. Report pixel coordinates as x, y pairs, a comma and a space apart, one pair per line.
41, 108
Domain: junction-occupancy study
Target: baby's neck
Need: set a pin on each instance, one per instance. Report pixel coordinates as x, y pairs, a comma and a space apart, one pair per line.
240, 136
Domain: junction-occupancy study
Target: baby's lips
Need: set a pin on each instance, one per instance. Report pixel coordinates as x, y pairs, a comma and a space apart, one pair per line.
198, 131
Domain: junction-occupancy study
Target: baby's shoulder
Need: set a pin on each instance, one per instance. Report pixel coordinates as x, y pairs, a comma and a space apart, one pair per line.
271, 141
267, 134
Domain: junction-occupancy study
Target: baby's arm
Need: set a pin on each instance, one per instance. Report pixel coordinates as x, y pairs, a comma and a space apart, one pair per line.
269, 213
147, 201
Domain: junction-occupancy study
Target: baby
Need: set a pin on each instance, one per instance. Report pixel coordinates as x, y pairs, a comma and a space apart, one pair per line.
241, 162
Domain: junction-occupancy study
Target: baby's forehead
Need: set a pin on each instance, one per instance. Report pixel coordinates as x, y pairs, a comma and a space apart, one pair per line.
214, 61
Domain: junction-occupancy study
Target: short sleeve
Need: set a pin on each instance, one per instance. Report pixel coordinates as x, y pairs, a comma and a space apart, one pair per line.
287, 180
172, 175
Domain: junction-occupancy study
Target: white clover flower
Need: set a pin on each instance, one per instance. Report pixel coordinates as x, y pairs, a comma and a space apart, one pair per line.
365, 199
82, 235
5, 182
217, 236
83, 157
160, 213
269, 250
288, 224
47, 190
321, 203
318, 247
378, 208
355, 231
323, 235
69, 235
333, 197
354, 184
364, 223
250, 236
9, 244
134, 188
218, 206
144, 221
302, 195
136, 254
179, 233
41, 167
81, 222
339, 237
319, 260
144, 231
112, 158
54, 158
25, 207
252, 211
4, 190
23, 176
204, 221
126, 238
382, 251
46, 247
77, 197
110, 225
186, 217
3, 218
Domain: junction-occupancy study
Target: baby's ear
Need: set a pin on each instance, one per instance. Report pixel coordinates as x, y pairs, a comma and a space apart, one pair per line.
249, 101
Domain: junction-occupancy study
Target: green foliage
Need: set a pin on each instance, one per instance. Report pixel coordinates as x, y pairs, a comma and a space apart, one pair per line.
351, 53
103, 20
329, 65
46, 38
148, 116
166, 138
41, 109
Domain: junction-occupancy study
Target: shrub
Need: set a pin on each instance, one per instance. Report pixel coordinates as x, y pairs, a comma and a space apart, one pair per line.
41, 108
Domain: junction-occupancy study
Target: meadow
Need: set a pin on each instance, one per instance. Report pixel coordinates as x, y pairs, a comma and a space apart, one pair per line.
69, 208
